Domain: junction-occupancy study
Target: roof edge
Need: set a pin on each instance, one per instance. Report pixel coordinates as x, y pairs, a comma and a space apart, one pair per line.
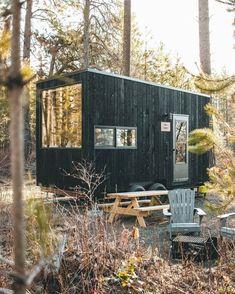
96, 71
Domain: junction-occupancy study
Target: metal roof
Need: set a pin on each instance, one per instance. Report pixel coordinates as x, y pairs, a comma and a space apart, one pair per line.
92, 70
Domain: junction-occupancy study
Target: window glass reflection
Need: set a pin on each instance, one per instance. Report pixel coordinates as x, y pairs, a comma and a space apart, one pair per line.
126, 137
104, 137
62, 117
181, 142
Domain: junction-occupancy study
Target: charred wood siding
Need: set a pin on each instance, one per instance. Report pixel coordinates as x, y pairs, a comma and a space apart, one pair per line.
111, 100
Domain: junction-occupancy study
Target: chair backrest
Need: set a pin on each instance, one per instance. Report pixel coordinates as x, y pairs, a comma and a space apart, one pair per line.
182, 205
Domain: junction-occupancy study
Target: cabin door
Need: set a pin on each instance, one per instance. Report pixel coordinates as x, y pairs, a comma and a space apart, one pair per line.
180, 147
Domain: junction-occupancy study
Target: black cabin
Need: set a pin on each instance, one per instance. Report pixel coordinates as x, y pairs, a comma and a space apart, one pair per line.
137, 130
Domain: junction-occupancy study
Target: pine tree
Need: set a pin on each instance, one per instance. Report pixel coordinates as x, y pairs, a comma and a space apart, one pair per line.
15, 86
221, 140
204, 36
126, 38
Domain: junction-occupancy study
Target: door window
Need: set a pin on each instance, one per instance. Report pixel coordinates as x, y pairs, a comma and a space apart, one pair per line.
181, 141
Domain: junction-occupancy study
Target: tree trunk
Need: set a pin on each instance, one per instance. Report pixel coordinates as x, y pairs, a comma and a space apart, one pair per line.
27, 30
26, 57
52, 63
126, 38
204, 36
86, 49
15, 86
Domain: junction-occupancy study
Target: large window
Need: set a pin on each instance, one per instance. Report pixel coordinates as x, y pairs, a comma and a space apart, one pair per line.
62, 117
115, 137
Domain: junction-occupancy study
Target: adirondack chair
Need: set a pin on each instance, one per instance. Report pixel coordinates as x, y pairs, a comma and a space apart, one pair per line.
181, 212
225, 230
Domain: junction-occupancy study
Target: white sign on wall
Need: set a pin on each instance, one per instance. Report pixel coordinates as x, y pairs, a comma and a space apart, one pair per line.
165, 126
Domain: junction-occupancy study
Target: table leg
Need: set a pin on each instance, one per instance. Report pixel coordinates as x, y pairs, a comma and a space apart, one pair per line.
155, 201
113, 210
140, 219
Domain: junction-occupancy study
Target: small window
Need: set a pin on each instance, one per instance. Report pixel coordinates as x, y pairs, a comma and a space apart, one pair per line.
126, 137
104, 137
115, 137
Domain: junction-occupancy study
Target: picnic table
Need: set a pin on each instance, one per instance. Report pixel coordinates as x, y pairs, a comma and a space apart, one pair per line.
134, 204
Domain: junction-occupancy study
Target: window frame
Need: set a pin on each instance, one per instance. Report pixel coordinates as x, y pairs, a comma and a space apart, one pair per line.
126, 128
41, 113
115, 137
105, 146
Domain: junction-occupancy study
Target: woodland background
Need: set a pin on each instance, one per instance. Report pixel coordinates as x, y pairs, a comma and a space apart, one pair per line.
92, 36
41, 39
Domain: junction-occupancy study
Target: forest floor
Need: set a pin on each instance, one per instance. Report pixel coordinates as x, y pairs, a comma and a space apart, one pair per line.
121, 258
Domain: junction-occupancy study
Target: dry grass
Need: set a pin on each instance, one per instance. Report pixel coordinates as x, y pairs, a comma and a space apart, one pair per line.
98, 259
4, 163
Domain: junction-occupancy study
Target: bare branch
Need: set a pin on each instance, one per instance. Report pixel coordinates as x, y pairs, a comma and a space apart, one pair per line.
43, 263
29, 80
90, 179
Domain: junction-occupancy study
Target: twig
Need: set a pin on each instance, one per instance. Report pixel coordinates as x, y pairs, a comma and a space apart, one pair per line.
45, 262
37, 268
181, 291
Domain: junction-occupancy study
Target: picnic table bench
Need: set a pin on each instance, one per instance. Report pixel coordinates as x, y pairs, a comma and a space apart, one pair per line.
108, 206
132, 204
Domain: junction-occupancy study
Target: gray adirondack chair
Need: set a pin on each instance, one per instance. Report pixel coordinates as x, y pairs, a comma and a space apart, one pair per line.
226, 230
181, 212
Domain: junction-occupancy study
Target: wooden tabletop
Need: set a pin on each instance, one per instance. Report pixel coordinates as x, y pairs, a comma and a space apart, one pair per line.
127, 195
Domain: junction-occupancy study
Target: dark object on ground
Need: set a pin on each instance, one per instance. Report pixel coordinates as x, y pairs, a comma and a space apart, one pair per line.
199, 249
135, 188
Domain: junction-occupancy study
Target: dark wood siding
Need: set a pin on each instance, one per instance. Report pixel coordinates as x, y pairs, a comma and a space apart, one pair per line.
53, 163
111, 100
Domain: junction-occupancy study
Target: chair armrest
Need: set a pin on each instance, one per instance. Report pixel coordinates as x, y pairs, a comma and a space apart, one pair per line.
199, 211
226, 215
166, 212
223, 218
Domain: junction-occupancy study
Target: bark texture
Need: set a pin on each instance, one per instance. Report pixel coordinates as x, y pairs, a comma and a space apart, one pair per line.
126, 38
204, 36
15, 86
26, 57
27, 30
86, 49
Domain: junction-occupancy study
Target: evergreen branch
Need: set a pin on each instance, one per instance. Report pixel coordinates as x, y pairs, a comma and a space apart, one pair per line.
207, 89
209, 78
